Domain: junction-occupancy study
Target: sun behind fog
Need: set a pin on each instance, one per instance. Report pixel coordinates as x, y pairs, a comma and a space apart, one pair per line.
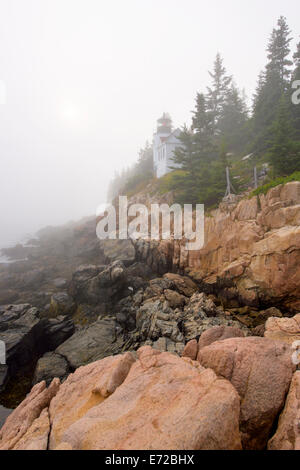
70, 113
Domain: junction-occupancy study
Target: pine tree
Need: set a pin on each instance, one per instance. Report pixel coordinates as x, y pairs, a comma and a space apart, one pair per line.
278, 52
216, 94
284, 151
203, 127
234, 116
187, 158
273, 82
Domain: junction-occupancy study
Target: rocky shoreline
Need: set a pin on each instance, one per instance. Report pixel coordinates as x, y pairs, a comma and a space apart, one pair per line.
108, 319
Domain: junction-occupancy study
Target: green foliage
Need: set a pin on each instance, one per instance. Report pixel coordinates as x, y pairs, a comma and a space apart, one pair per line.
273, 83
167, 182
216, 93
276, 182
284, 151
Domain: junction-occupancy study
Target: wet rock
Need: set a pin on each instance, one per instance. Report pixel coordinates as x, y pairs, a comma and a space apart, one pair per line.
99, 340
27, 336
81, 278
56, 331
49, 366
95, 284
119, 250
21, 329
140, 270
61, 304
86, 314
3, 376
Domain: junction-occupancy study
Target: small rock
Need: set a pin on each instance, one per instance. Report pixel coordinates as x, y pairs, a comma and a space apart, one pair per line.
49, 366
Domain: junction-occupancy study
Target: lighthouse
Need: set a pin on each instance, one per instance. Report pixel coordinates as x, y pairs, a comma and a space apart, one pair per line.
165, 141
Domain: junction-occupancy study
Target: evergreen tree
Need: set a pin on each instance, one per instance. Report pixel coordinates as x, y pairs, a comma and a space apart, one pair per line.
284, 150
273, 82
203, 127
233, 119
279, 51
216, 94
187, 158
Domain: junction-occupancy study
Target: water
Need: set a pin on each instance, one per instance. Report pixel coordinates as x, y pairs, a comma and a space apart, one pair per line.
9, 244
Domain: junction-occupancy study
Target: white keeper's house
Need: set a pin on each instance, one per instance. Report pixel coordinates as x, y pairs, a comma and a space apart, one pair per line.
165, 141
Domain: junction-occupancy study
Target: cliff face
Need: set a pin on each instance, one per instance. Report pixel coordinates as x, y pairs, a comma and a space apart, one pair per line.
251, 253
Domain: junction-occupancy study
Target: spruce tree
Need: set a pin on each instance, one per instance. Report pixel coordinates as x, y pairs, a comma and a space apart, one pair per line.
203, 127
186, 182
273, 82
216, 94
284, 150
234, 116
279, 51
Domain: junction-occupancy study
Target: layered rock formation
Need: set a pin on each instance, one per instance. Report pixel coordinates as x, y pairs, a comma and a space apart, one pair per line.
251, 253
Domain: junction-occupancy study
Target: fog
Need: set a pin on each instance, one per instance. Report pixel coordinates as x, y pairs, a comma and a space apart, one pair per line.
86, 80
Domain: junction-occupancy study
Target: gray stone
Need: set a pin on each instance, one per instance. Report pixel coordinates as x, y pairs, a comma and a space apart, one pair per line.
49, 366
119, 250
26, 335
90, 344
61, 304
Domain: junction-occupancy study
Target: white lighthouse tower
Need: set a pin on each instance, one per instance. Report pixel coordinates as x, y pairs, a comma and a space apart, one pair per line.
165, 141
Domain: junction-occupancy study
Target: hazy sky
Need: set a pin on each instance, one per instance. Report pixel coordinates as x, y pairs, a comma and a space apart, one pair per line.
87, 79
